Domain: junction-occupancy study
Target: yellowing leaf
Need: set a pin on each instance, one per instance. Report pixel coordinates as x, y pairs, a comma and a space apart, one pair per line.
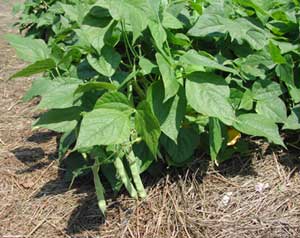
233, 136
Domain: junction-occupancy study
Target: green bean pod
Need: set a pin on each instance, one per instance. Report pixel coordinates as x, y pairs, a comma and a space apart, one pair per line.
124, 177
134, 168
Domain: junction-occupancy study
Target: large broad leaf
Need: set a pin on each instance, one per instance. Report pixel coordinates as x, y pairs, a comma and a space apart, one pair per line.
59, 120
30, 50
193, 59
273, 109
60, 97
209, 95
171, 113
104, 127
107, 63
147, 126
169, 78
293, 121
215, 138
182, 151
258, 125
35, 68
239, 29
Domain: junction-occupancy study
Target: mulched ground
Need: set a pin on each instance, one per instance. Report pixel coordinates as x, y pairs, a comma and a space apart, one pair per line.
257, 196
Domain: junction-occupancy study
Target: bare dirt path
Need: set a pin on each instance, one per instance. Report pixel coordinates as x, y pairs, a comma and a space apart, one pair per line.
254, 197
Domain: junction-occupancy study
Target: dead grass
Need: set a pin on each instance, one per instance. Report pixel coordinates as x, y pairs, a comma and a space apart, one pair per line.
200, 201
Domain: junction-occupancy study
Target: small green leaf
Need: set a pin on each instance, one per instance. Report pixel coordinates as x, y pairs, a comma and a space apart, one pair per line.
94, 86
275, 52
35, 68
67, 139
247, 101
168, 76
108, 62
147, 126
293, 121
215, 138
197, 61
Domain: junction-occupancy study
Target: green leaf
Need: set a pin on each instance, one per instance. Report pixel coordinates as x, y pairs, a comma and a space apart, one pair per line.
59, 120
147, 126
286, 74
239, 29
182, 152
273, 109
143, 155
158, 33
266, 90
104, 127
170, 21
39, 87
258, 125
215, 138
95, 86
275, 52
27, 49
67, 139
109, 171
108, 62
35, 68
60, 97
147, 66
113, 100
293, 121
169, 114
247, 100
209, 95
96, 37
133, 13
168, 76
197, 61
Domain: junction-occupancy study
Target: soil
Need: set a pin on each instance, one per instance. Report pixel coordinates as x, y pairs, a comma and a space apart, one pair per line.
254, 196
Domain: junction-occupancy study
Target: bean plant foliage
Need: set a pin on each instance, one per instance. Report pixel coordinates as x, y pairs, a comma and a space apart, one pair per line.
129, 83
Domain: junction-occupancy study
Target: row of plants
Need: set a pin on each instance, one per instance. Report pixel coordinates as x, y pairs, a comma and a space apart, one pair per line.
130, 83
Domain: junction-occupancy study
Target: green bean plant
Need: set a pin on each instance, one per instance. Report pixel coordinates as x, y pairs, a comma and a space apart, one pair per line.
129, 83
